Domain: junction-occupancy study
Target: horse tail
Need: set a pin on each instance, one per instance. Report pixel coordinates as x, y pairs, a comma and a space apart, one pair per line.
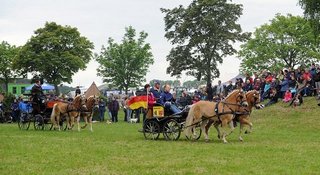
189, 121
55, 111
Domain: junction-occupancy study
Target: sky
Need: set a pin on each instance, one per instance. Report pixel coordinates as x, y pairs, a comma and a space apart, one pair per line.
100, 19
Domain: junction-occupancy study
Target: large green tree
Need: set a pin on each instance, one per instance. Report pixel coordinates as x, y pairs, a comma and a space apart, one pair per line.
202, 35
55, 53
124, 65
286, 42
7, 54
312, 13
193, 84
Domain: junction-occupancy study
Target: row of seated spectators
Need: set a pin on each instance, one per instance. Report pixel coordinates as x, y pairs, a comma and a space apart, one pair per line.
284, 84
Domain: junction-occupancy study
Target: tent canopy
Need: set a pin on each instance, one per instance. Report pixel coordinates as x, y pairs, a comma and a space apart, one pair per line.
44, 86
92, 91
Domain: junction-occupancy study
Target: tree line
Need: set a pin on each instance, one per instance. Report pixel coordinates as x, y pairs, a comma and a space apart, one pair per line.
202, 34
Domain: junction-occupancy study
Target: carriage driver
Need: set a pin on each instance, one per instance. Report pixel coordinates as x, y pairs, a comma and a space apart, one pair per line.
36, 93
167, 100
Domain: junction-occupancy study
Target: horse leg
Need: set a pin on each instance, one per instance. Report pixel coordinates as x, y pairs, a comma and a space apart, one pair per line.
90, 121
223, 128
231, 127
216, 125
240, 133
78, 123
250, 128
207, 127
71, 123
58, 121
204, 130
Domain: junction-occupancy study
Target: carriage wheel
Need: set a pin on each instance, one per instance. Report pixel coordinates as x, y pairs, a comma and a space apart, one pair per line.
196, 133
171, 130
38, 122
151, 130
24, 121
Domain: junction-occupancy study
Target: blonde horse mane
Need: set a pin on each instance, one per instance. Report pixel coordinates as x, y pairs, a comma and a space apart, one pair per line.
77, 101
91, 101
231, 94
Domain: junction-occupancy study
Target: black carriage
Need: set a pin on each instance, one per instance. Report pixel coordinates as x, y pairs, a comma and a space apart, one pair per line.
161, 120
41, 120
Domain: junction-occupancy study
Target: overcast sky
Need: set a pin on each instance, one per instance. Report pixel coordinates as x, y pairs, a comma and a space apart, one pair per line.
100, 19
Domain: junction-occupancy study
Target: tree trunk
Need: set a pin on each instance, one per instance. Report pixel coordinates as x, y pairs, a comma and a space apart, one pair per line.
126, 90
208, 71
56, 88
6, 86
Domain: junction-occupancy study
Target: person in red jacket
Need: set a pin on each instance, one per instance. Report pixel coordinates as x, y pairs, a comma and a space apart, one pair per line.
151, 98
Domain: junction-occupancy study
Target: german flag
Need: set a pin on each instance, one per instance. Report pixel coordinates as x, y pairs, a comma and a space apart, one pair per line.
137, 102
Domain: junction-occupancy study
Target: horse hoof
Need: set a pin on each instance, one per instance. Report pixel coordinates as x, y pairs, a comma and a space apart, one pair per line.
241, 140
218, 136
207, 140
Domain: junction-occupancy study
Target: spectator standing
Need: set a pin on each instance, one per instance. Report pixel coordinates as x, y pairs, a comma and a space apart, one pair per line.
220, 88
15, 110
317, 81
209, 92
114, 108
102, 109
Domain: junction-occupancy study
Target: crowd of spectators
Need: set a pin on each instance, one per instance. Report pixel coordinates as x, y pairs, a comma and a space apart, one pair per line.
289, 85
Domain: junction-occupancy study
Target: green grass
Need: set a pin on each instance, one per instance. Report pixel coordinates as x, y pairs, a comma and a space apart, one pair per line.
284, 141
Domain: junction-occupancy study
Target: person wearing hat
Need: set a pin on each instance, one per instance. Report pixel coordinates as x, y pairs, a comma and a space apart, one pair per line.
155, 90
36, 93
78, 91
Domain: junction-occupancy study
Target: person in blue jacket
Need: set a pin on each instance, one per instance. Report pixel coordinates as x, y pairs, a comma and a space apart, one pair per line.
156, 91
167, 100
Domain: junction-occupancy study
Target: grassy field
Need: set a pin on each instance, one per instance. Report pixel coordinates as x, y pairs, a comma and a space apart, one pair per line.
284, 141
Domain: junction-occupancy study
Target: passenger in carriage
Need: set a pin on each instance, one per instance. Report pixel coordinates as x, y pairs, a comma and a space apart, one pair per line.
151, 101
166, 99
151, 98
156, 91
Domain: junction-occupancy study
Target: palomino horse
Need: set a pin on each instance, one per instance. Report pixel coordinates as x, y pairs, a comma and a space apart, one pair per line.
69, 109
222, 112
243, 115
91, 103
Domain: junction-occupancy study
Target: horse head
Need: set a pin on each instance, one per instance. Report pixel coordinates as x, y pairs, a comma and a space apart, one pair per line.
79, 102
253, 98
92, 102
238, 96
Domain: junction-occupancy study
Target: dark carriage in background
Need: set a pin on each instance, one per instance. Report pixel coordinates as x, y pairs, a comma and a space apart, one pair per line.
41, 120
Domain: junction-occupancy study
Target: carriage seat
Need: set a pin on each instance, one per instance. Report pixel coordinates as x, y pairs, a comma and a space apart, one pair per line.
158, 110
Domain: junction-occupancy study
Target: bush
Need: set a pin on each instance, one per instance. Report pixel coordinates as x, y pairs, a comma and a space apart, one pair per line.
8, 99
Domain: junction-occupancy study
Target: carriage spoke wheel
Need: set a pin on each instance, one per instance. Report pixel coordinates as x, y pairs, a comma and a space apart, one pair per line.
171, 130
196, 133
38, 122
24, 121
151, 130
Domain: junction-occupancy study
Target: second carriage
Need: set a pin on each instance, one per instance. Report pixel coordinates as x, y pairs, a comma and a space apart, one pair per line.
41, 119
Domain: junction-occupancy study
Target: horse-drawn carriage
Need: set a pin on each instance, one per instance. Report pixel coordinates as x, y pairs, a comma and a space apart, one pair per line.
161, 120
200, 116
41, 119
